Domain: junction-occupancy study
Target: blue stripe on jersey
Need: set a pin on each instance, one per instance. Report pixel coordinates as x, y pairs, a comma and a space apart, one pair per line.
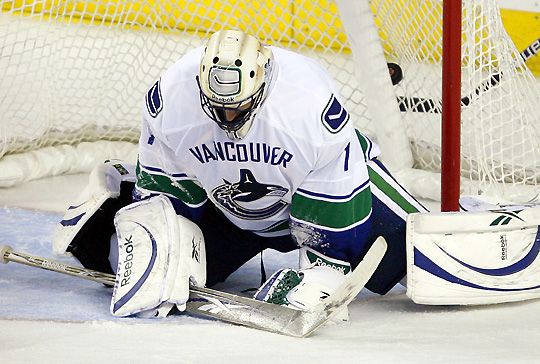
159, 170
334, 197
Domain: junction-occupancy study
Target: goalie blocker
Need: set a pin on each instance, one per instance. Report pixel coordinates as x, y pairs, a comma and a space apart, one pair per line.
468, 258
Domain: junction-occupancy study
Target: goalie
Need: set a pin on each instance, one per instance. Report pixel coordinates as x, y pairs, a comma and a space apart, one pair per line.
243, 147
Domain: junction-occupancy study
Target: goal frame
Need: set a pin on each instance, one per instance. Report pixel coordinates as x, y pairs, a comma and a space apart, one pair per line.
451, 106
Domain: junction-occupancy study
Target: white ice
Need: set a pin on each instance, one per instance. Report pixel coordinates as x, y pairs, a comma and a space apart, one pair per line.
48, 317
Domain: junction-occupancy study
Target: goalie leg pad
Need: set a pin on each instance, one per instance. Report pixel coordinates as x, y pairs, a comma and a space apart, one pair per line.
473, 257
159, 255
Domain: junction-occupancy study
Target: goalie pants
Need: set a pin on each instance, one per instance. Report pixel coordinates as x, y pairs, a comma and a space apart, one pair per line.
228, 247
391, 204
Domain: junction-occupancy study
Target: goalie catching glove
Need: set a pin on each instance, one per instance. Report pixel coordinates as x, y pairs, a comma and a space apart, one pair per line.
319, 276
159, 255
86, 229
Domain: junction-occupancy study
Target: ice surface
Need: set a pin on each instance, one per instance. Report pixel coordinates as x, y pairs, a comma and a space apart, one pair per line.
48, 317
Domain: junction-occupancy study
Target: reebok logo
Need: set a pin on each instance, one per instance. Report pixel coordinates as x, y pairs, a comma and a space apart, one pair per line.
322, 263
504, 247
317, 260
505, 217
128, 261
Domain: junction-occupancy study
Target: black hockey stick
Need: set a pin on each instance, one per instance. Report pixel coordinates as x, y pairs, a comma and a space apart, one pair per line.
420, 104
237, 309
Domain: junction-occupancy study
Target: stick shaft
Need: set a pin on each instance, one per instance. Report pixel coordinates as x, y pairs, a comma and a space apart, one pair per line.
202, 301
109, 279
55, 266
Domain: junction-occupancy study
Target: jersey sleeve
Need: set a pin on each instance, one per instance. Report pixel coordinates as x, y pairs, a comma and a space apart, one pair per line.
331, 209
158, 172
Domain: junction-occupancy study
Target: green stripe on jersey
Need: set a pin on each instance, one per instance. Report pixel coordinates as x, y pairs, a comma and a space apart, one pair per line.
390, 191
332, 214
364, 144
186, 191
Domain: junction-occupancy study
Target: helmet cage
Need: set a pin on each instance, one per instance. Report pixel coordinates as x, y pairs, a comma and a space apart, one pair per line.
215, 110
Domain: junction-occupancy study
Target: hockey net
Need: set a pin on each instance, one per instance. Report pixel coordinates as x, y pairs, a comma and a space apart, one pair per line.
74, 73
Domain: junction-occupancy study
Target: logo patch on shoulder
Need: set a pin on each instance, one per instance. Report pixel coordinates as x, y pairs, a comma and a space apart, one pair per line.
334, 116
154, 102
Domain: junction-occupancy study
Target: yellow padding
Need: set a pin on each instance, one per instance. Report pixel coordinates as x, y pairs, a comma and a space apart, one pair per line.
297, 22
524, 28
306, 23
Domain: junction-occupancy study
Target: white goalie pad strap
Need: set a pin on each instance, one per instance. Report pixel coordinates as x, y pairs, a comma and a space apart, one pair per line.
483, 203
160, 253
473, 257
104, 183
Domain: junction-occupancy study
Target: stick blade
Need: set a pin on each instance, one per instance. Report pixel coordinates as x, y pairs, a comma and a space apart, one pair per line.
244, 311
281, 319
331, 305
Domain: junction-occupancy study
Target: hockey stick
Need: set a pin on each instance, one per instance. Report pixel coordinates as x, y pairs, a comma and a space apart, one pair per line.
237, 309
420, 104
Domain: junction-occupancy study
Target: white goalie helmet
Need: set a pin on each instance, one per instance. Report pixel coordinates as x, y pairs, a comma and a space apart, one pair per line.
233, 80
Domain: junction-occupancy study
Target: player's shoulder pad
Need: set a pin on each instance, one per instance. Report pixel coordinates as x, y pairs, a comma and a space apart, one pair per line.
334, 116
154, 100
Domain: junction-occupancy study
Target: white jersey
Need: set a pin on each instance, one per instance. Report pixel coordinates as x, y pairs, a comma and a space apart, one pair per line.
301, 168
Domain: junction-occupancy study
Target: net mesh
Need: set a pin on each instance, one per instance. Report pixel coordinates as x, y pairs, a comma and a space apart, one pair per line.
75, 71
500, 126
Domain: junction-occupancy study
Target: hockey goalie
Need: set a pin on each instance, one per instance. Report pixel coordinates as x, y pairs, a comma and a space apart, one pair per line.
246, 147
243, 147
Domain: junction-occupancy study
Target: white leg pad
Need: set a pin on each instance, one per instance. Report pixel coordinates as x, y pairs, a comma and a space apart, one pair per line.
474, 257
159, 255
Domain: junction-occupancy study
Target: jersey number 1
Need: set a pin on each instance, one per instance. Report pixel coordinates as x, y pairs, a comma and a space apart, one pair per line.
347, 154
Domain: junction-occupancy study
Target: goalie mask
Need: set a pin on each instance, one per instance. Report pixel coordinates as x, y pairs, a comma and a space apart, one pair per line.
233, 80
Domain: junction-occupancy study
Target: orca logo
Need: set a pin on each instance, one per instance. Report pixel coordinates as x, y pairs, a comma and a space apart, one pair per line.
237, 197
334, 116
154, 102
224, 81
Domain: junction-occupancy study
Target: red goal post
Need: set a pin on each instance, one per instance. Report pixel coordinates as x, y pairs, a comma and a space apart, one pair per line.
451, 107
489, 143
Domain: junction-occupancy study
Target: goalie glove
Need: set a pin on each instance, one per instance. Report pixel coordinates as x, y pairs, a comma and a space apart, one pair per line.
86, 229
305, 288
159, 255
